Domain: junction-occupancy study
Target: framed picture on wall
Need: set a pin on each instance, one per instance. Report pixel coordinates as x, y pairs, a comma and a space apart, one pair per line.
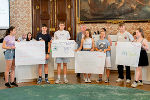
113, 10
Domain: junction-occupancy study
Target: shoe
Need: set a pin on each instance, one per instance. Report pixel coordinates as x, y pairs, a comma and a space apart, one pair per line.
46, 81
128, 81
65, 81
39, 81
89, 81
99, 80
140, 83
57, 81
119, 80
13, 83
86, 80
107, 80
7, 85
134, 84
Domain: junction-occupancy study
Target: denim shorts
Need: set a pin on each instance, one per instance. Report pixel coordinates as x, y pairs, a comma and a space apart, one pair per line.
46, 61
9, 54
62, 60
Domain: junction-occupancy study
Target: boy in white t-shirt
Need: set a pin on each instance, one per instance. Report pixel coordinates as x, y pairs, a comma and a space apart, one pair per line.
123, 36
61, 34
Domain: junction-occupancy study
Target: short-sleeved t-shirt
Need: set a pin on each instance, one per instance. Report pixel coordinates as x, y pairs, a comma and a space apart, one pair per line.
125, 37
61, 35
10, 40
103, 44
46, 38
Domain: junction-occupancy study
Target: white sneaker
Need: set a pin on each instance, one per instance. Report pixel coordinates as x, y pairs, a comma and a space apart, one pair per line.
128, 81
140, 83
89, 80
119, 80
86, 80
57, 81
65, 81
134, 84
107, 80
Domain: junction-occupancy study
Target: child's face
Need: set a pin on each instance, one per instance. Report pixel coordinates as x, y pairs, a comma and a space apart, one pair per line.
13, 32
62, 26
122, 28
138, 34
44, 29
24, 36
87, 33
102, 35
135, 37
29, 36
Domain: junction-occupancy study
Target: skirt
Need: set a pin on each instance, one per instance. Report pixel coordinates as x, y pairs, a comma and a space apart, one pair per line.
143, 60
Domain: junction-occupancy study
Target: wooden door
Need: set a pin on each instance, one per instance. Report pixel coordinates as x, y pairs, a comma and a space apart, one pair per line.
51, 12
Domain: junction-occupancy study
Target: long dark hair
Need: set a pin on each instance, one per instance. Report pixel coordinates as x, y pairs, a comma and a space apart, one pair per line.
28, 37
141, 31
9, 30
90, 35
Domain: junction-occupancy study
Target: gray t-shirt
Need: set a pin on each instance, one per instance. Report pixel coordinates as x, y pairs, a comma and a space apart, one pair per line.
103, 44
125, 37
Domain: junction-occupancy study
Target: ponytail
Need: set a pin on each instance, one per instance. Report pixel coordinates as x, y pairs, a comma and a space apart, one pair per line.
9, 30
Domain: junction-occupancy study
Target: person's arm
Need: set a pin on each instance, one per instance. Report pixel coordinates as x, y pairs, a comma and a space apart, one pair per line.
77, 39
110, 41
96, 49
145, 45
68, 36
108, 49
49, 44
117, 40
80, 45
92, 45
131, 38
5, 47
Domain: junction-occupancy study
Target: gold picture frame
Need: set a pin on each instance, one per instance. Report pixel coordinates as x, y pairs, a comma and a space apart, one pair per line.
114, 21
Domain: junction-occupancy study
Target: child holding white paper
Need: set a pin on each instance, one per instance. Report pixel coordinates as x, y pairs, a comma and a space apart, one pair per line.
61, 34
87, 44
143, 60
9, 45
103, 45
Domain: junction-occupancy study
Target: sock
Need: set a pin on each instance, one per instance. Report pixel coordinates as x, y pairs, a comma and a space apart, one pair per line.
64, 76
136, 81
40, 76
140, 81
59, 77
46, 75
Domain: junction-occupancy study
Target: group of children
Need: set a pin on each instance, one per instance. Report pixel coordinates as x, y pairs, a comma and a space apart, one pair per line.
85, 43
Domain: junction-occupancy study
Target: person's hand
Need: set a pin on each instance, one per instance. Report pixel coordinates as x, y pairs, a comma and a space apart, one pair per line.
105, 50
47, 56
76, 50
13, 47
92, 50
100, 50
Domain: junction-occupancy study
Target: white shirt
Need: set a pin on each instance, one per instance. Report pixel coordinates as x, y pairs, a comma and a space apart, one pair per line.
125, 37
61, 35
